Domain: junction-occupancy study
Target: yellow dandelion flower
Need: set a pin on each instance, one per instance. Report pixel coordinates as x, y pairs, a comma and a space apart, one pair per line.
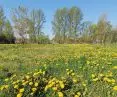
36, 84
92, 75
34, 89
6, 80
78, 93
115, 67
31, 93
21, 90
54, 88
115, 88
31, 83
73, 74
74, 80
16, 86
76, 96
27, 77
2, 87
96, 79
60, 94
19, 95
62, 85
6, 86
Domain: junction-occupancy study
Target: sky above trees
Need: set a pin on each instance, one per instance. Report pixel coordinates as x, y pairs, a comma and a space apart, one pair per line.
91, 9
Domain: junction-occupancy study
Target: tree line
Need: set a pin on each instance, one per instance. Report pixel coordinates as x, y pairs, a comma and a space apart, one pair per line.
68, 26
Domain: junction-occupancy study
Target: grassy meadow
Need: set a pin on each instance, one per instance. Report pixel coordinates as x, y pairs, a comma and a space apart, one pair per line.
58, 70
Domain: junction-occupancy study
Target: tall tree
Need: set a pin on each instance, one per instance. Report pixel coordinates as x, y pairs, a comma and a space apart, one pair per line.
85, 31
103, 28
59, 24
38, 20
21, 21
2, 19
74, 19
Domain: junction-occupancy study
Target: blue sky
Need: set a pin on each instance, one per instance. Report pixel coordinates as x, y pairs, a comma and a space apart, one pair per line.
91, 9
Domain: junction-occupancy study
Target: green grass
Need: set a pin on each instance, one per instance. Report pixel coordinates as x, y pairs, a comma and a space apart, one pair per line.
83, 59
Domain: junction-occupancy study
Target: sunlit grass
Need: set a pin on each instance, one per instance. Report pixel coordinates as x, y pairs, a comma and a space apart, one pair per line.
67, 70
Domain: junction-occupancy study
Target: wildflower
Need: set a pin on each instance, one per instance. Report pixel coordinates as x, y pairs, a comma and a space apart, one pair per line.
113, 80
76, 96
6, 86
61, 84
115, 67
19, 95
16, 86
24, 83
31, 83
60, 94
31, 93
34, 89
92, 75
17, 81
54, 88
88, 62
101, 75
84, 84
115, 88
14, 82
21, 90
6, 80
46, 88
74, 80
2, 88
36, 84
96, 79
27, 77
73, 74
78, 93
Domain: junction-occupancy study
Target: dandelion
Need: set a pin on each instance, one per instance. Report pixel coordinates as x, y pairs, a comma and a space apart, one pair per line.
74, 80
115, 88
36, 84
27, 77
62, 85
92, 75
19, 95
96, 79
16, 87
31, 83
115, 67
78, 93
6, 86
34, 89
2, 87
21, 90
6, 80
60, 94
54, 88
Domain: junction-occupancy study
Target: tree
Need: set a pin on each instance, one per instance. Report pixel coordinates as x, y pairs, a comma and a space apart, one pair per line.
8, 31
74, 19
38, 19
65, 23
103, 29
21, 21
85, 31
2, 19
59, 24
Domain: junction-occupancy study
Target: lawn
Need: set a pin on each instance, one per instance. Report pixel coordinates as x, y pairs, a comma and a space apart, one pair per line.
58, 70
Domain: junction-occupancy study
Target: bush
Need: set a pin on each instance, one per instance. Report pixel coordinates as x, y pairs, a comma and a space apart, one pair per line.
7, 38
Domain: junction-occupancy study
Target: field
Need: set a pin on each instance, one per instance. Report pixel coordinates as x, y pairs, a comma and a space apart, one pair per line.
55, 70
